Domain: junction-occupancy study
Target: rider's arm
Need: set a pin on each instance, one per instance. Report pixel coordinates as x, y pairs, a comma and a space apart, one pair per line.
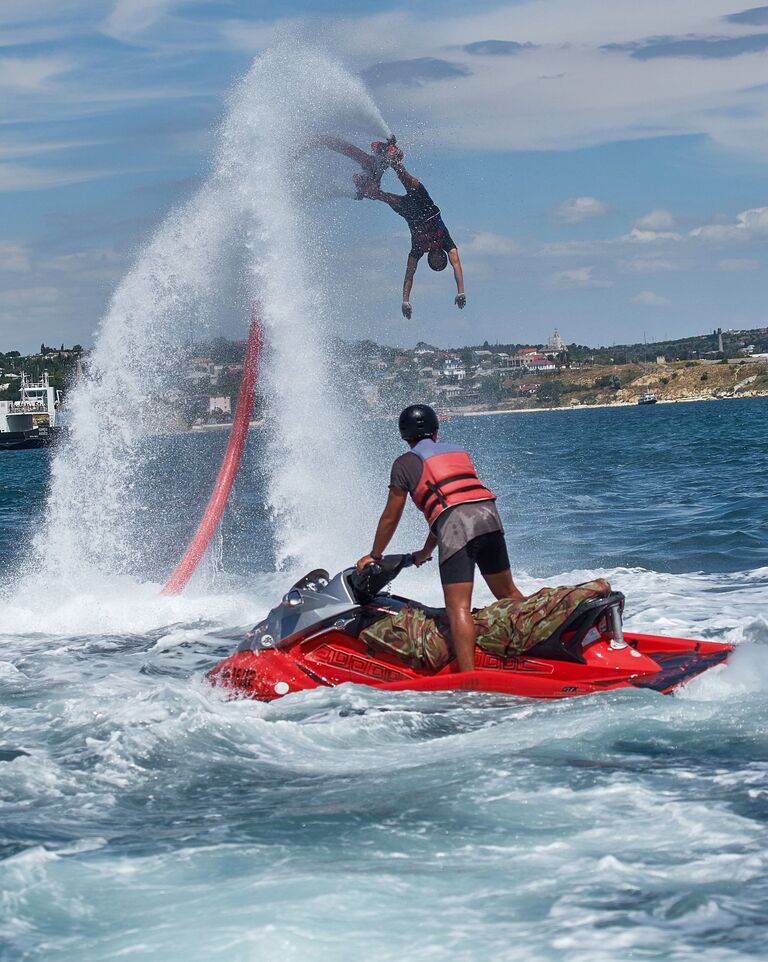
425, 553
388, 522
407, 180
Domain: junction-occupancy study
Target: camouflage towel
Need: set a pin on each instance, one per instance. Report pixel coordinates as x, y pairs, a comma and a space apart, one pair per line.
412, 635
510, 628
505, 628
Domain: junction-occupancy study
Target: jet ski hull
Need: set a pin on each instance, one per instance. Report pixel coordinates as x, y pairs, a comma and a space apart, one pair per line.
332, 657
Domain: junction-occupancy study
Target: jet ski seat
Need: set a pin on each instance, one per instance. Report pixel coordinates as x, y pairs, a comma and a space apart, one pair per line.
586, 623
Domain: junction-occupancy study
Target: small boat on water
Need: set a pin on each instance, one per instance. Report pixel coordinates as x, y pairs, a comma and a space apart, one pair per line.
30, 422
647, 398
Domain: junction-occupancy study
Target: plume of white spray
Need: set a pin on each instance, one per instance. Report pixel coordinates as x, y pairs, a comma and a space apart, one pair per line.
258, 214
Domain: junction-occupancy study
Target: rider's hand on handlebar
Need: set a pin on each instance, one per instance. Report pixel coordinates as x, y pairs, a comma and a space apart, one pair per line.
421, 557
366, 560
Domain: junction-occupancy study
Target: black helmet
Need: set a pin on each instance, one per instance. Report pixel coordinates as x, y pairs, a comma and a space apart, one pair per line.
437, 259
417, 421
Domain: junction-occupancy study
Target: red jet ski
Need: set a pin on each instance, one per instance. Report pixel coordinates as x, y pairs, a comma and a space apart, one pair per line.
310, 640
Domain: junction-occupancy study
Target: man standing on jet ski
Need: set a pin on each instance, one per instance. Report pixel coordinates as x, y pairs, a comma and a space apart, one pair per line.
429, 235
464, 523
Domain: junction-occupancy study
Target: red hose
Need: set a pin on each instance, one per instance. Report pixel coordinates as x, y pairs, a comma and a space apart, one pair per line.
223, 485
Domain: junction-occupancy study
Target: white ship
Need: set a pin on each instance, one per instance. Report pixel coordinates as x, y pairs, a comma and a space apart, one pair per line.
30, 422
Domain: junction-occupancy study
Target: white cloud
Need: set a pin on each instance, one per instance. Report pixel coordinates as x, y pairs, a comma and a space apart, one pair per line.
656, 220
491, 245
577, 209
19, 149
737, 264
103, 264
30, 74
582, 277
749, 223
648, 265
59, 297
129, 18
15, 177
14, 257
639, 236
29, 296
650, 299
601, 95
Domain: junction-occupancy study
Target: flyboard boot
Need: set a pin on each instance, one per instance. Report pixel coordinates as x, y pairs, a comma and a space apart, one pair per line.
384, 153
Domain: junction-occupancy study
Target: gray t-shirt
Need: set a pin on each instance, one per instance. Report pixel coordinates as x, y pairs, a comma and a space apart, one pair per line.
456, 526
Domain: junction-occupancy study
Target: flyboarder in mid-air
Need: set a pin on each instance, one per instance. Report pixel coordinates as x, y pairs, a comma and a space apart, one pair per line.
429, 235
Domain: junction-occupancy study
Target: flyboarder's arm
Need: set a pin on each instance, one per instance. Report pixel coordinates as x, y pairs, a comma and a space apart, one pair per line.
388, 522
410, 270
458, 273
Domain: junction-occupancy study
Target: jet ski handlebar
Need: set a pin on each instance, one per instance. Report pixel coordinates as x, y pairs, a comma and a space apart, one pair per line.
374, 577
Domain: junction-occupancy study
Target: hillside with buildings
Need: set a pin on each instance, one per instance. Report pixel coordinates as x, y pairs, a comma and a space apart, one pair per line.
503, 377
556, 374
60, 364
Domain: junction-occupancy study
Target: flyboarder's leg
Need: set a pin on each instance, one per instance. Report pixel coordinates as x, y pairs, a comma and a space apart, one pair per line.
366, 161
410, 270
374, 192
458, 607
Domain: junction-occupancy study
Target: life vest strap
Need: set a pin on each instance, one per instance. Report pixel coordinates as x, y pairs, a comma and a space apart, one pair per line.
439, 499
435, 486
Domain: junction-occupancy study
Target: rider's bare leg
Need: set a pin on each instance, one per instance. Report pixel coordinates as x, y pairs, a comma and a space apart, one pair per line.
503, 586
458, 607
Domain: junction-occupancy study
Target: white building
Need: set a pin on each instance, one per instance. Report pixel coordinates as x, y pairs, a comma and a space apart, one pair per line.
219, 405
556, 343
454, 368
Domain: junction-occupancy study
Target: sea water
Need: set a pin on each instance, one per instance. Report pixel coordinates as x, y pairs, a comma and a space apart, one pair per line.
143, 816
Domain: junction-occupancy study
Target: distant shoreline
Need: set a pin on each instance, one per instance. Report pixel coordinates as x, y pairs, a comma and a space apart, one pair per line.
592, 407
224, 426
258, 425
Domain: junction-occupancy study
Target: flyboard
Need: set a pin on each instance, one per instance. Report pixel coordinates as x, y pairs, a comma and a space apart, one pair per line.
383, 154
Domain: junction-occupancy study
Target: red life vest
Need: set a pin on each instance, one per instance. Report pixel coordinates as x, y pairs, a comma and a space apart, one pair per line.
448, 477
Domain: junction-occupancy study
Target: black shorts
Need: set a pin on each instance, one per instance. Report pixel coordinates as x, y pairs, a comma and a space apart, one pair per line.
427, 237
487, 551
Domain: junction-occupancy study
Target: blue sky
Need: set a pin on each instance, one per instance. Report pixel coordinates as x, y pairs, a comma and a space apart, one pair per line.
601, 165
